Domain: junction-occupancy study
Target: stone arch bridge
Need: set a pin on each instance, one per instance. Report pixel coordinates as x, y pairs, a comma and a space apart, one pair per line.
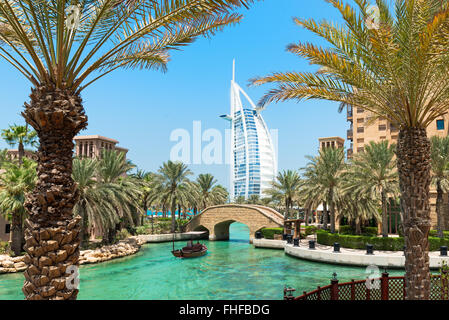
217, 219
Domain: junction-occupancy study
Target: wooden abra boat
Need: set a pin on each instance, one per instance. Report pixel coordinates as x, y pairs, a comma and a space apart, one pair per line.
190, 251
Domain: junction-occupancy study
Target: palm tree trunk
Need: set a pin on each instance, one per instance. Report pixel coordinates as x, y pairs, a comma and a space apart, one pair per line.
173, 217
306, 216
52, 234
287, 212
325, 215
84, 230
16, 234
439, 207
21, 151
358, 227
413, 153
332, 210
384, 215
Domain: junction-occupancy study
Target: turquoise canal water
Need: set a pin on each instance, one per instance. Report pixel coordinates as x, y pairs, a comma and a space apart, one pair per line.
231, 270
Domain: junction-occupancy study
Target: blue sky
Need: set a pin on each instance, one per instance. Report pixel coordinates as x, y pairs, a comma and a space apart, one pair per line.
142, 108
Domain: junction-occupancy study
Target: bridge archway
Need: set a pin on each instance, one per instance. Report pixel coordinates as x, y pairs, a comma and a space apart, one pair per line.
217, 219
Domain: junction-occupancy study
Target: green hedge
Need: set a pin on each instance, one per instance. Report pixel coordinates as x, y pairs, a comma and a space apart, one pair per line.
4, 247
433, 233
268, 233
310, 230
379, 243
350, 230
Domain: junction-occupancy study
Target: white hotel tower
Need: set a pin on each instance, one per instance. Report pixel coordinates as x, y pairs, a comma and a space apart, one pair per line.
253, 157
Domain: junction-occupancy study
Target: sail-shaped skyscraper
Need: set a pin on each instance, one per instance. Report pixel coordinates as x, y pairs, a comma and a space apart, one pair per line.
253, 157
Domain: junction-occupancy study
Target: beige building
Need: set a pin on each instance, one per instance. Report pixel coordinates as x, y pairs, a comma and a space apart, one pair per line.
361, 133
333, 142
91, 146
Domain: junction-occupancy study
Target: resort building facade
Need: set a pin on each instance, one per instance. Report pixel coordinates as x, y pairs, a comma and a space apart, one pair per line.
362, 130
253, 158
92, 146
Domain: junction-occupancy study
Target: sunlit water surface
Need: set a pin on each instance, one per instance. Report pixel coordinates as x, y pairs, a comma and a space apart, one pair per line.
231, 270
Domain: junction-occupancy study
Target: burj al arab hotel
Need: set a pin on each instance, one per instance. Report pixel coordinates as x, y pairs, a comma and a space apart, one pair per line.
253, 157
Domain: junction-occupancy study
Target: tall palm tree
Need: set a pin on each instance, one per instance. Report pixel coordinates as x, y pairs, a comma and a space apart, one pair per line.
310, 192
395, 69
147, 182
328, 167
112, 171
439, 153
373, 172
285, 187
21, 136
15, 183
97, 203
209, 192
357, 206
175, 186
64, 46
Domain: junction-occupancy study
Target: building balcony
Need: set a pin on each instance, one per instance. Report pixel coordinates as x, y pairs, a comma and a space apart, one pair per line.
349, 134
349, 114
349, 153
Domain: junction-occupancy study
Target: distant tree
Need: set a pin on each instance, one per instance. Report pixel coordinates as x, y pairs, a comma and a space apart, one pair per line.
374, 172
15, 183
439, 155
174, 181
209, 192
21, 136
285, 188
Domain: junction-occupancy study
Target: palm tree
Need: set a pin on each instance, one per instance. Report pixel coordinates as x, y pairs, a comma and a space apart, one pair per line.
209, 193
147, 183
175, 186
397, 70
326, 174
439, 153
310, 193
357, 206
4, 157
240, 200
253, 199
21, 136
285, 188
373, 172
112, 171
62, 47
15, 183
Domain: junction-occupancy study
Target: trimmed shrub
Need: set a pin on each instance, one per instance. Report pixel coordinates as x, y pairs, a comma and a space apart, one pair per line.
350, 230
369, 231
346, 230
379, 243
310, 230
268, 233
4, 247
433, 233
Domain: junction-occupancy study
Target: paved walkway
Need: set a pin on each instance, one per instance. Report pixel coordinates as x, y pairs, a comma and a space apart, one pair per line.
355, 257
